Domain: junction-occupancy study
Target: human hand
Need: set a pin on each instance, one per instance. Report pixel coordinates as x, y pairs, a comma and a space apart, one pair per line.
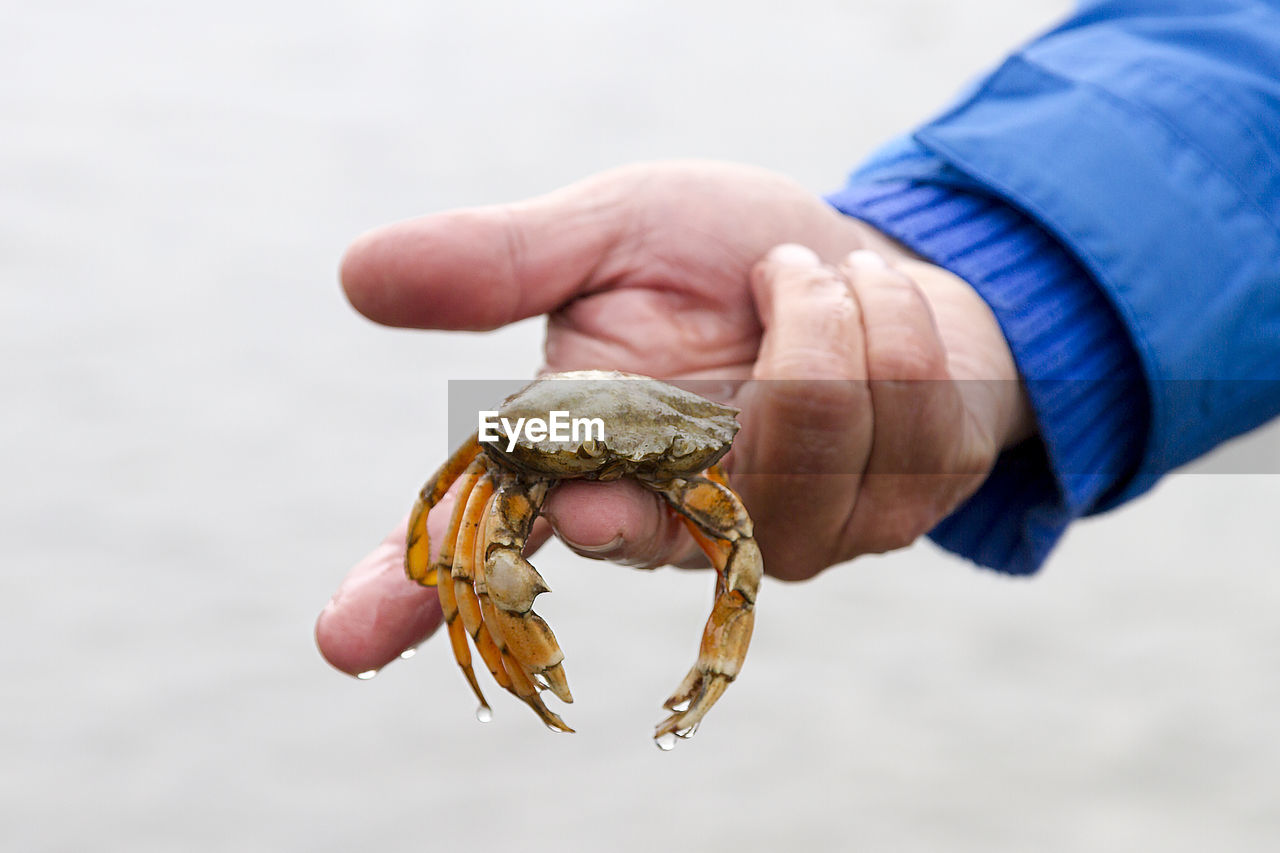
871, 439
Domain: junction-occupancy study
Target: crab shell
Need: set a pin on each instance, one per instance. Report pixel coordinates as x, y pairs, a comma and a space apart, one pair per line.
651, 429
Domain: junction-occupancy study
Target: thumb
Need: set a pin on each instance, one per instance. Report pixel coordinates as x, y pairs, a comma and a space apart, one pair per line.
484, 267
619, 521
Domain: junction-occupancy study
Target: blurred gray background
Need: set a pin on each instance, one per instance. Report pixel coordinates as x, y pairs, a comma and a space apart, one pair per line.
200, 437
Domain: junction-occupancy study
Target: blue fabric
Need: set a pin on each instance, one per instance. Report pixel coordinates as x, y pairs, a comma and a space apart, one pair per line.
1144, 139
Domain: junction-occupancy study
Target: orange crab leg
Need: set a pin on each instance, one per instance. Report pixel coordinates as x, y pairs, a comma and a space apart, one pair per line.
463, 575
442, 570
523, 684
417, 555
719, 523
717, 475
528, 691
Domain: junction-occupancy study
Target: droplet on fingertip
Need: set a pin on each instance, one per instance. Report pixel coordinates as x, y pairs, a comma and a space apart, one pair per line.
367, 674
408, 653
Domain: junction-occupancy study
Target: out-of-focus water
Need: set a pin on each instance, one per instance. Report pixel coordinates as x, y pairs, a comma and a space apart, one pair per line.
199, 437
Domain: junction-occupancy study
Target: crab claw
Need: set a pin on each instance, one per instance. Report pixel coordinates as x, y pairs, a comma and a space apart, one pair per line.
512, 583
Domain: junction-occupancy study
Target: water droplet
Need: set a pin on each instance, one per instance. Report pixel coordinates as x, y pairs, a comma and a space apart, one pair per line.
408, 653
367, 674
484, 713
666, 742
689, 732
681, 706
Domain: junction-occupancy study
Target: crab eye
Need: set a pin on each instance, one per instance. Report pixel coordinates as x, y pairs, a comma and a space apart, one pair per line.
589, 449
682, 446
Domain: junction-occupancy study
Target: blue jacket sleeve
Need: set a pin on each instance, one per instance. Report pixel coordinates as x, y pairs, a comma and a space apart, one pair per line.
1144, 139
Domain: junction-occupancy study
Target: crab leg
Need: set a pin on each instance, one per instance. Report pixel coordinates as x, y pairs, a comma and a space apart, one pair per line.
524, 679
513, 583
463, 575
441, 571
719, 522
417, 555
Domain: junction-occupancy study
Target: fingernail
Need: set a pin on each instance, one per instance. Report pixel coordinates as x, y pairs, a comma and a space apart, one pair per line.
866, 259
794, 255
602, 550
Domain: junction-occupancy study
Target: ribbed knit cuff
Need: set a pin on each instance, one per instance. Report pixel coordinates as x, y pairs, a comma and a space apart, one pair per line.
1081, 373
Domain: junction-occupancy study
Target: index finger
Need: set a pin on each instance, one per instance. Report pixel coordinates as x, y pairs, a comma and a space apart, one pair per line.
377, 613
484, 267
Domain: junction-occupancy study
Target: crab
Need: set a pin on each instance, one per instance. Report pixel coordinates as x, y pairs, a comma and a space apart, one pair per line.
668, 440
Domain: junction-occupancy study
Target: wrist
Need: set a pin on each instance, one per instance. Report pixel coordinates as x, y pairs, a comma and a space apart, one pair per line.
979, 359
